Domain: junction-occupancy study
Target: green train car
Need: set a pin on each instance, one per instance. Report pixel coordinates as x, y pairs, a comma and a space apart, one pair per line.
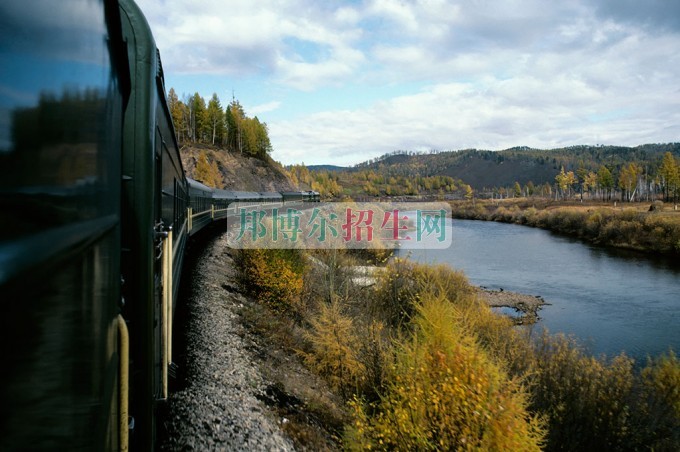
96, 212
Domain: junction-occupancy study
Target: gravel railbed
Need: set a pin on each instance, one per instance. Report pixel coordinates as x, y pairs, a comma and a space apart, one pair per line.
217, 406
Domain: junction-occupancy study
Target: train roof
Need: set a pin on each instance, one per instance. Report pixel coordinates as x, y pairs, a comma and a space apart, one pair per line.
231, 194
271, 194
196, 184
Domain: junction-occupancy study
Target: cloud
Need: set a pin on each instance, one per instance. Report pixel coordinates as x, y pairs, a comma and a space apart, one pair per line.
264, 108
450, 74
495, 114
659, 15
244, 38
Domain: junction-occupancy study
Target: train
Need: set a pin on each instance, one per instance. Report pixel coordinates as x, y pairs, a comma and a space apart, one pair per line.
96, 215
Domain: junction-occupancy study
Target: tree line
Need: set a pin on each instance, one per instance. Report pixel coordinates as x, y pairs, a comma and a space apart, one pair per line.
209, 123
632, 181
377, 182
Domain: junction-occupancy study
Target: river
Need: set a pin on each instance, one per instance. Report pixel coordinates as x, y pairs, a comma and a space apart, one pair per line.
612, 301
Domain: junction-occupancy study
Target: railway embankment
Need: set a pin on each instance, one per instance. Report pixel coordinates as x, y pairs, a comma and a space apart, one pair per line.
239, 386
218, 404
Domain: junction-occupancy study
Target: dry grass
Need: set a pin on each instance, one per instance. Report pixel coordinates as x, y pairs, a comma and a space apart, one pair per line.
628, 225
424, 364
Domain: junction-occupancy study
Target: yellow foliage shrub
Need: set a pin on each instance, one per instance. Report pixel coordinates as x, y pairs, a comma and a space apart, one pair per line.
403, 283
444, 394
443, 281
585, 398
658, 414
273, 276
376, 354
334, 348
395, 293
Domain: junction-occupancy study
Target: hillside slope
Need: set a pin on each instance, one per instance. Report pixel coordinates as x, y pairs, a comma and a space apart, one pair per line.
502, 168
239, 172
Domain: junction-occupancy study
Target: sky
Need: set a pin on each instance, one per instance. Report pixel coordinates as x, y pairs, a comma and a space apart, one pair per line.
341, 82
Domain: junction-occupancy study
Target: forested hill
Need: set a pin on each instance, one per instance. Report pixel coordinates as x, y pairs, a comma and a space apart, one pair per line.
487, 169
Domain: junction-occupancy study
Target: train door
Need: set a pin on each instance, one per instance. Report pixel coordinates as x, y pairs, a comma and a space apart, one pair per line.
159, 242
163, 272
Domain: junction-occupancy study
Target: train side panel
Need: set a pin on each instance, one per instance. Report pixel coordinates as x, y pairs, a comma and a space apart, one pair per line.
59, 232
154, 194
201, 208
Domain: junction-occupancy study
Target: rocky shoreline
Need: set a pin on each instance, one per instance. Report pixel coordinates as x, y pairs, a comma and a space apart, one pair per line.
525, 306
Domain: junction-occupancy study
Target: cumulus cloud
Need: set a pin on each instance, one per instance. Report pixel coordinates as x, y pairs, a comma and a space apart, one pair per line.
452, 74
494, 114
245, 38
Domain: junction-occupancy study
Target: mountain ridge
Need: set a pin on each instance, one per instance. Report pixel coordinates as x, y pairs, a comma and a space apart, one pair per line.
484, 168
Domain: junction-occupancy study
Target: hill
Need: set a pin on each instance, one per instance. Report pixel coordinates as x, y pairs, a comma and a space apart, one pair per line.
483, 169
239, 172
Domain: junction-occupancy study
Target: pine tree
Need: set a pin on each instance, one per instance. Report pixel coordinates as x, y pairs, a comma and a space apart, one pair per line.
234, 118
198, 120
215, 119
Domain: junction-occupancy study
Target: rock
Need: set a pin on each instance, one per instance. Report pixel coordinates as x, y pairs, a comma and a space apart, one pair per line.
218, 408
526, 305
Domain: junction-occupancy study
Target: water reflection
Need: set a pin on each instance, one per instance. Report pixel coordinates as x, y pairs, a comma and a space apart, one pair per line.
48, 54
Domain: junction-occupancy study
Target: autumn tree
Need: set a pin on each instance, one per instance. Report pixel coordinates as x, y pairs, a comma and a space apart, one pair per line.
590, 182
628, 180
581, 174
571, 181
529, 188
469, 193
606, 181
216, 174
335, 348
517, 189
670, 176
562, 182
202, 172
178, 113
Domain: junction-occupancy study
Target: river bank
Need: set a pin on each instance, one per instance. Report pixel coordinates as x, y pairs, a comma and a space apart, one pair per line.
633, 226
522, 308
